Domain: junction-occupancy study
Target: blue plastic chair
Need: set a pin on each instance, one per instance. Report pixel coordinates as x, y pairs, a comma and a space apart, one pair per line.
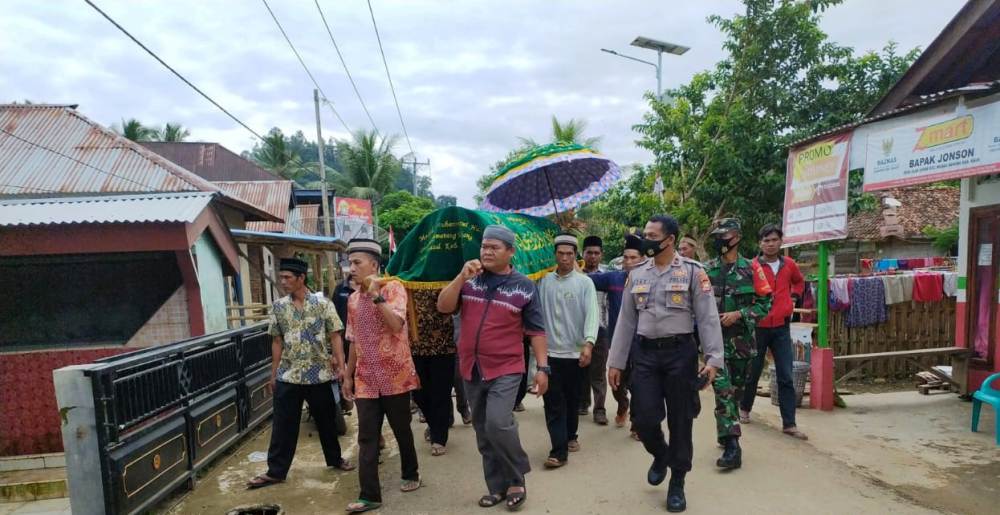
986, 393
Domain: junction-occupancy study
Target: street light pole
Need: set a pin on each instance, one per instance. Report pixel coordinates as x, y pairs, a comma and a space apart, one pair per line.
660, 47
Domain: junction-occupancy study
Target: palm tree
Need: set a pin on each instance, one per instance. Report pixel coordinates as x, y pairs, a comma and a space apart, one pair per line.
275, 155
565, 133
368, 167
173, 132
134, 130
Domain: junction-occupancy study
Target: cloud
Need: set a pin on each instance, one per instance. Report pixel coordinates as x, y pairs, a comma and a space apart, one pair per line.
471, 76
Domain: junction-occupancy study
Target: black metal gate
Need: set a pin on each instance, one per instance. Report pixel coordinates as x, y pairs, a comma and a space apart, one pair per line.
164, 412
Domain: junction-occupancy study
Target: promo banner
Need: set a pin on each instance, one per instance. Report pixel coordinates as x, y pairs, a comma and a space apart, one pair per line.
816, 191
965, 143
352, 218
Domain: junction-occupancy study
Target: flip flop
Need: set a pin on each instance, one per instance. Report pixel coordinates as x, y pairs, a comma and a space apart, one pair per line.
553, 463
261, 481
438, 450
515, 500
361, 506
491, 500
409, 485
344, 465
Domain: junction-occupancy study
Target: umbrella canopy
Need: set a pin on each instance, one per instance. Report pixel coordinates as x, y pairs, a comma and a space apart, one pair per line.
551, 179
434, 251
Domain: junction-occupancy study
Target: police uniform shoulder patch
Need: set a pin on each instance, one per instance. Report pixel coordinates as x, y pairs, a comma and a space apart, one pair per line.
704, 281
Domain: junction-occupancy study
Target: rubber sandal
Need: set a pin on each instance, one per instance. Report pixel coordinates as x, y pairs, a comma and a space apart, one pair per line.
553, 463
744, 417
361, 506
261, 481
409, 485
438, 450
344, 465
573, 446
795, 433
515, 500
491, 500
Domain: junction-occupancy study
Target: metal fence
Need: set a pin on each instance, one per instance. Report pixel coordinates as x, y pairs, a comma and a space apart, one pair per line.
162, 413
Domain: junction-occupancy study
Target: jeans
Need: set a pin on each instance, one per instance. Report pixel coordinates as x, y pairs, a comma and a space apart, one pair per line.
779, 340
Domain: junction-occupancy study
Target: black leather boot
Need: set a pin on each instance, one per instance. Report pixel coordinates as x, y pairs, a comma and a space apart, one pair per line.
676, 502
656, 473
732, 456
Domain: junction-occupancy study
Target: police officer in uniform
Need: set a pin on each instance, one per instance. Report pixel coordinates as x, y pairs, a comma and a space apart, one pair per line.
662, 300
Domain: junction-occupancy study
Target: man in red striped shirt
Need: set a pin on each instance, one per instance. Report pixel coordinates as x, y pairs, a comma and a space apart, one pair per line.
773, 332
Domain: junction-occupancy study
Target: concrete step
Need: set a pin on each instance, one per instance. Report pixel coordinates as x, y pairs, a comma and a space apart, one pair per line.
33, 485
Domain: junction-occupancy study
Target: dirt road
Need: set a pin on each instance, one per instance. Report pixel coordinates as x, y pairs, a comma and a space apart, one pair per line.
779, 475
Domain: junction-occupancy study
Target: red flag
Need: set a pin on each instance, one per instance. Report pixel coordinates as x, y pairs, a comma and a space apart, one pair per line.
392, 241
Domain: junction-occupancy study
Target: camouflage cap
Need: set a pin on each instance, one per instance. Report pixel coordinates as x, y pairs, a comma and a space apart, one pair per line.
725, 225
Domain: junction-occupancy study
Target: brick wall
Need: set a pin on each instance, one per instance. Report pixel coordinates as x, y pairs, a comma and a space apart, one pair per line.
169, 324
29, 419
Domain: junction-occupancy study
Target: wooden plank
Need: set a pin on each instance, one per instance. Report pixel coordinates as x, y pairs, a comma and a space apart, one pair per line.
942, 351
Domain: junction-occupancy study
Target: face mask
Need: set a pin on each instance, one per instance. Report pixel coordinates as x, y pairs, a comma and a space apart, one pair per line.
724, 245
651, 248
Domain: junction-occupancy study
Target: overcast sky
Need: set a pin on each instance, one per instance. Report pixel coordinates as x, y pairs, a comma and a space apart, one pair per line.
471, 76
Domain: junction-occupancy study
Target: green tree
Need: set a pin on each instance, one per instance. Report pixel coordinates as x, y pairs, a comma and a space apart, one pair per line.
275, 155
720, 141
368, 169
172, 132
569, 132
402, 211
134, 130
445, 201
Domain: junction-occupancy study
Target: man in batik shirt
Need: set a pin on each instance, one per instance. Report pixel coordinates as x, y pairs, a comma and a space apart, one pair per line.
380, 371
306, 357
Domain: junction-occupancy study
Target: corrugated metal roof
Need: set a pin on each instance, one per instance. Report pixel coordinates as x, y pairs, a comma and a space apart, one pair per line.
275, 197
105, 209
210, 161
54, 150
303, 219
971, 90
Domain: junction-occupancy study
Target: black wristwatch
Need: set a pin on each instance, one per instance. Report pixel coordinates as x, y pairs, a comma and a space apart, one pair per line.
545, 370
378, 300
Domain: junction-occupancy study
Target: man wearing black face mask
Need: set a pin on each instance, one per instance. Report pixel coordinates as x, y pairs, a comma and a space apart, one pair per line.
661, 301
743, 296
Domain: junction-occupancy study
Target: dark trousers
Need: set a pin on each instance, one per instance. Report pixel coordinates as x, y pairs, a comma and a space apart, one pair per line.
561, 402
437, 375
522, 389
287, 403
395, 408
504, 461
461, 399
595, 375
664, 385
779, 340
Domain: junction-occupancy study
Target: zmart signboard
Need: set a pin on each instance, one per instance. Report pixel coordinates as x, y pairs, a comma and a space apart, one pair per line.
965, 143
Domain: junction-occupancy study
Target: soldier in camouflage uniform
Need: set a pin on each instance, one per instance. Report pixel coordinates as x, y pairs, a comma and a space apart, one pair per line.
743, 296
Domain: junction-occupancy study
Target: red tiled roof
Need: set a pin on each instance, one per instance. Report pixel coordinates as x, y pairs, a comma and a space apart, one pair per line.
922, 206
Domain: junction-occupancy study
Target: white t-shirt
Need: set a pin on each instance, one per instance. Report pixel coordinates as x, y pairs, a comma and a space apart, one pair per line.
774, 265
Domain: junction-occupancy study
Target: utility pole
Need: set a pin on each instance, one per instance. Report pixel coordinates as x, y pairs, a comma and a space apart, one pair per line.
413, 169
325, 202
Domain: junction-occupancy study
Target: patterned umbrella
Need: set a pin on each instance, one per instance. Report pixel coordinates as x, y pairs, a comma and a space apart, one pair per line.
551, 179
